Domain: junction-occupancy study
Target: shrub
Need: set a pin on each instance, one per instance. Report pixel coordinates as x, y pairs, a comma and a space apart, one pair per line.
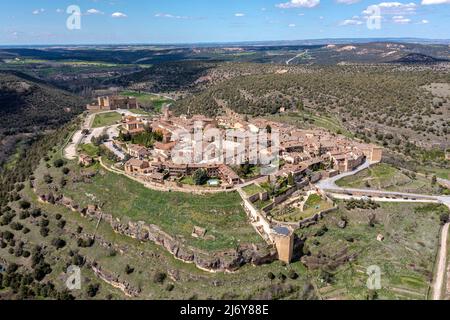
92, 290
159, 277
58, 243
58, 163
35, 213
16, 226
200, 177
24, 205
281, 277
24, 215
44, 231
170, 287
61, 224
292, 274
129, 270
7, 235
444, 218
48, 179
82, 243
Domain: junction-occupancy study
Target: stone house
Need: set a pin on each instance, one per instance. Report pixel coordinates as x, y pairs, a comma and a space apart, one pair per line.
136, 166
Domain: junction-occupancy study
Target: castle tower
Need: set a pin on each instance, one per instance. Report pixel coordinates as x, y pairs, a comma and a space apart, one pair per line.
376, 154
284, 241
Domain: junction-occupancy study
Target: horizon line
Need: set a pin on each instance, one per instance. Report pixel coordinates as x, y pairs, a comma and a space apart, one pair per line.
374, 39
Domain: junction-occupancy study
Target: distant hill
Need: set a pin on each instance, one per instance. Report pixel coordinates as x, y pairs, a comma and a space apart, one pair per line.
321, 52
165, 77
419, 58
29, 105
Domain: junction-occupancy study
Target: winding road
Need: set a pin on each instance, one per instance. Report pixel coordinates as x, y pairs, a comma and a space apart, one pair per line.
329, 186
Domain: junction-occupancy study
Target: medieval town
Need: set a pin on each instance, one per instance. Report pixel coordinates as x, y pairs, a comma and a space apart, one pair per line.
273, 166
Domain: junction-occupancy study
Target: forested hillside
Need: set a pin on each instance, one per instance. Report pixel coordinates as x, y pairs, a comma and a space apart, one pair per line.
28, 105
370, 100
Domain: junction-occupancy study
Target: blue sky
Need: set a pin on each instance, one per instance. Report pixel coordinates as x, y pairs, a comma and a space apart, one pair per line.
187, 21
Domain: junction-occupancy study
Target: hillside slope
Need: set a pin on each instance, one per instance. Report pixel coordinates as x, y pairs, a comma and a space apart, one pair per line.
28, 105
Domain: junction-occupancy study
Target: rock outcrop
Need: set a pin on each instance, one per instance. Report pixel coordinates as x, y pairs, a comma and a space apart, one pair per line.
229, 260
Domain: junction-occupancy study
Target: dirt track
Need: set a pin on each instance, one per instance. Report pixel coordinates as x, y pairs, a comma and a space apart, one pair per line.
442, 264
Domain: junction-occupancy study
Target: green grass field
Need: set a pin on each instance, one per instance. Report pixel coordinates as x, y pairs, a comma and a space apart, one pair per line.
252, 189
385, 177
406, 257
106, 119
147, 99
439, 172
89, 149
314, 204
176, 213
147, 258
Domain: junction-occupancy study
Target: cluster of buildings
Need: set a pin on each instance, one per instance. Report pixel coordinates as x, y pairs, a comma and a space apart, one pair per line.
109, 103
300, 151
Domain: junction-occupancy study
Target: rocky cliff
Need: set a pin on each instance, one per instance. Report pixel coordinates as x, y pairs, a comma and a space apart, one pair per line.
229, 260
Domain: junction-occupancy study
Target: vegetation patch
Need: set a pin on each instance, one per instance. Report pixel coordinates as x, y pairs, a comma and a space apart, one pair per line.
386, 177
406, 255
176, 213
106, 119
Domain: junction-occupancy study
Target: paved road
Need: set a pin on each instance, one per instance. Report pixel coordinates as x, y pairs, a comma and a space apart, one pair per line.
70, 152
331, 182
329, 186
109, 144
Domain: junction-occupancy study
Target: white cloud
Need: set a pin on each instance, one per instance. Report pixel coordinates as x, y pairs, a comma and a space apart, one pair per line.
239, 14
119, 15
38, 11
94, 11
298, 4
351, 22
401, 20
431, 2
292, 25
348, 1
394, 8
170, 16
424, 21
59, 10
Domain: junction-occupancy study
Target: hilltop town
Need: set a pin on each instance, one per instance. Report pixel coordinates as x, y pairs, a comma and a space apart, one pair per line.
226, 179
172, 163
